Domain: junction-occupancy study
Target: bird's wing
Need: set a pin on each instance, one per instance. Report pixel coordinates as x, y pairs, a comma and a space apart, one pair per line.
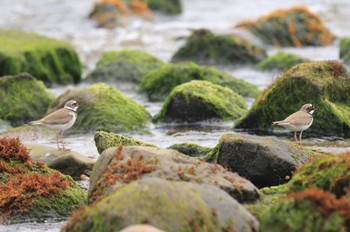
58, 117
299, 118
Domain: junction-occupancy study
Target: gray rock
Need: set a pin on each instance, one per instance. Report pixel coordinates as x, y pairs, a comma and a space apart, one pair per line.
117, 167
262, 160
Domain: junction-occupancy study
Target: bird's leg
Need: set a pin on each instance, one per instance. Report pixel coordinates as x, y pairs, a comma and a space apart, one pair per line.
57, 140
63, 148
300, 136
295, 137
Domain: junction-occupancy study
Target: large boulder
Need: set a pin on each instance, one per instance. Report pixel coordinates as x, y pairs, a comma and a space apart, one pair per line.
116, 167
32, 192
295, 27
123, 66
159, 83
103, 107
262, 160
49, 60
281, 61
201, 100
67, 162
344, 50
192, 150
168, 205
23, 98
104, 140
308, 210
325, 84
205, 47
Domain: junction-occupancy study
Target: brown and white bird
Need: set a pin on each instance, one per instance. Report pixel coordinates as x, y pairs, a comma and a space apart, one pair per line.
298, 121
60, 120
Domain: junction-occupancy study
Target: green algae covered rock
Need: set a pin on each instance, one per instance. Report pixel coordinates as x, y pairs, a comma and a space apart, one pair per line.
309, 210
190, 149
281, 61
169, 205
103, 107
49, 60
172, 7
204, 47
123, 66
295, 27
159, 83
32, 192
201, 100
104, 140
344, 50
325, 84
23, 99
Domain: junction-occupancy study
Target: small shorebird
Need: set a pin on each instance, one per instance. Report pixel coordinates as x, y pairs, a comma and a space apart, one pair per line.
60, 120
298, 121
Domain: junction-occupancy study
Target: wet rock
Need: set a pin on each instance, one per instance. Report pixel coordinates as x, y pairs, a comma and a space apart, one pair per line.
23, 98
67, 162
192, 150
344, 50
56, 62
199, 207
116, 167
104, 140
29, 133
103, 107
296, 27
124, 66
201, 100
308, 210
281, 61
159, 83
264, 161
32, 192
206, 48
171, 7
112, 13
325, 84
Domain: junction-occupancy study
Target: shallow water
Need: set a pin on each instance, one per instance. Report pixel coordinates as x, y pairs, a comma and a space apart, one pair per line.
66, 20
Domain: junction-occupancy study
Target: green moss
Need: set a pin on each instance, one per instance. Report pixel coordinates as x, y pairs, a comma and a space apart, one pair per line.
344, 50
281, 61
204, 47
105, 108
220, 101
296, 26
23, 99
172, 7
325, 84
49, 60
159, 83
124, 65
104, 140
189, 149
150, 201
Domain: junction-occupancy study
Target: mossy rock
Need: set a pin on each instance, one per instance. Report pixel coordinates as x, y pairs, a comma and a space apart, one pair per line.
104, 140
32, 192
199, 207
205, 47
296, 27
171, 7
344, 50
159, 83
104, 108
23, 99
201, 100
49, 60
192, 150
281, 61
309, 210
124, 66
325, 84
